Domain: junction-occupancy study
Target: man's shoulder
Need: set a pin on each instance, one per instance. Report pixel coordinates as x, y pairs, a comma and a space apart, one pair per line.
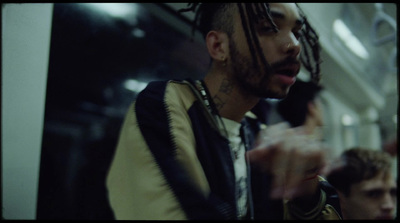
161, 85
168, 92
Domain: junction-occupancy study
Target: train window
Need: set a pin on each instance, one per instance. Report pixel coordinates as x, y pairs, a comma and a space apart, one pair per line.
101, 56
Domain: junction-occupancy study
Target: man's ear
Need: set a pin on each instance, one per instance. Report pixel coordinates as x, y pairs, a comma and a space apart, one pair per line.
218, 45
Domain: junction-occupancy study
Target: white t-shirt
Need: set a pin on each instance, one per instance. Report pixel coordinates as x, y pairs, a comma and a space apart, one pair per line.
239, 161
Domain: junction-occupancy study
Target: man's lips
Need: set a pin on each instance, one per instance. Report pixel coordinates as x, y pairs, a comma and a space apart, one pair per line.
290, 70
286, 80
287, 74
385, 217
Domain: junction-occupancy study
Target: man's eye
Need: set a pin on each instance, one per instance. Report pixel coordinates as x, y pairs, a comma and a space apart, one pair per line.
393, 192
267, 29
374, 193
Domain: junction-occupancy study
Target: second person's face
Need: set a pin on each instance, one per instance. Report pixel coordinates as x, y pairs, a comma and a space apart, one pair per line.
371, 199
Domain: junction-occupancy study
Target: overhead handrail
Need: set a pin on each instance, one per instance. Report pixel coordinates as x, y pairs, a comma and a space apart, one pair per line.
380, 18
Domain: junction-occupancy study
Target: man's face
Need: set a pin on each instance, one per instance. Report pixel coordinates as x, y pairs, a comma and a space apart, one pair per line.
371, 199
281, 50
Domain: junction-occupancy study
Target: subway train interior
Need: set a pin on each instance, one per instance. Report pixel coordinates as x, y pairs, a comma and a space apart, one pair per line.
70, 71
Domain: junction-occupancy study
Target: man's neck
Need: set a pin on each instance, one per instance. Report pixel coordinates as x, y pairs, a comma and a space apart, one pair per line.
230, 102
310, 124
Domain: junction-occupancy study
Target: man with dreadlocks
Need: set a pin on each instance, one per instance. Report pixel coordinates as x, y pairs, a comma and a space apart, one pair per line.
185, 151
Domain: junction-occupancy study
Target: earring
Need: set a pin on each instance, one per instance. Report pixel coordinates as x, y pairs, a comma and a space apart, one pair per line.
223, 61
289, 44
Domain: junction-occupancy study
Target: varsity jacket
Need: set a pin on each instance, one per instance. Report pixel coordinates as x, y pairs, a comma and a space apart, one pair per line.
173, 163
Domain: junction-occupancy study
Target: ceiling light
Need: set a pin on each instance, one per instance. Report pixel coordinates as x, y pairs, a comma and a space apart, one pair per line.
349, 39
138, 33
347, 120
116, 9
134, 85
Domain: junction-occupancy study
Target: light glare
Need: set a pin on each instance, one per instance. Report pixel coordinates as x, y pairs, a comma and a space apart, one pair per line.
347, 120
116, 9
349, 39
134, 85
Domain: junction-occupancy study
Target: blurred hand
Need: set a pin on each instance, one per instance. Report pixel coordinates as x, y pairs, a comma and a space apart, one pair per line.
290, 156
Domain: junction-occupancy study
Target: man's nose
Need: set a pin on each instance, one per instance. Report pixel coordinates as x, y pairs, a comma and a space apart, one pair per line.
389, 202
292, 46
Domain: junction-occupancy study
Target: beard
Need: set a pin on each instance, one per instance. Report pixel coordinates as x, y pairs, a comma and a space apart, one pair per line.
253, 80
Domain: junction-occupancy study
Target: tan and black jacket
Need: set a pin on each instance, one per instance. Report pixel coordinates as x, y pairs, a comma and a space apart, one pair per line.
172, 163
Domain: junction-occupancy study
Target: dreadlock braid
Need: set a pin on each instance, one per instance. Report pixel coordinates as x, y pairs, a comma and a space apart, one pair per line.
210, 16
248, 36
310, 43
192, 7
